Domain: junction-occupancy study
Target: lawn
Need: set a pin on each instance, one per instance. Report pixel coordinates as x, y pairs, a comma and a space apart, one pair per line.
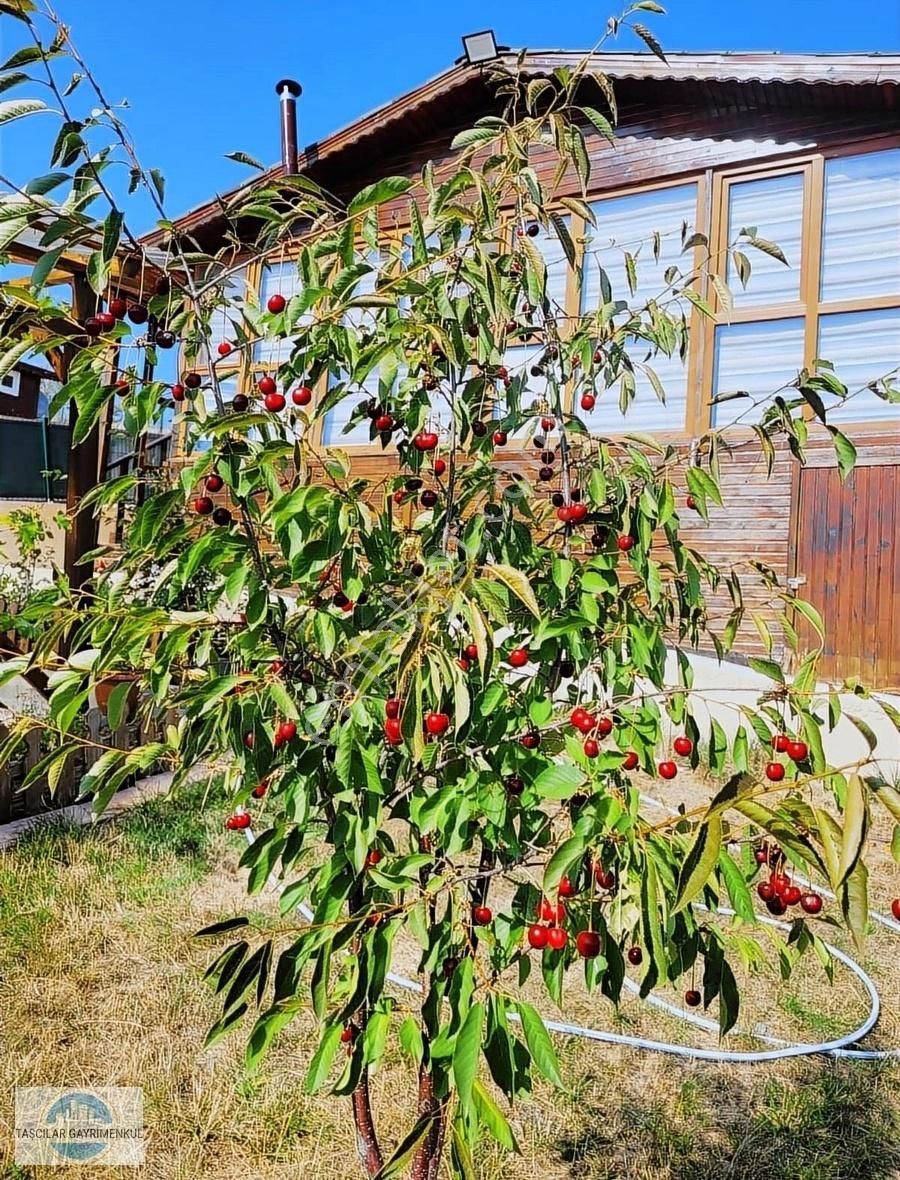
100, 983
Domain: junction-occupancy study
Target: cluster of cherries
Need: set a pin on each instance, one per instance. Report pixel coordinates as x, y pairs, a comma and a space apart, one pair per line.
779, 892
594, 727
117, 309
796, 750
203, 504
434, 724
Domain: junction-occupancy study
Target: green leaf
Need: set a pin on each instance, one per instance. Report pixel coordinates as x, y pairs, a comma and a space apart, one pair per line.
649, 40
224, 1026
243, 158
264, 1032
112, 229
491, 1116
738, 893
222, 927
844, 450
539, 1044
467, 1052
386, 189
600, 123
699, 862
559, 781
855, 903
516, 581
766, 668
561, 862
473, 137
856, 821
323, 1058
18, 108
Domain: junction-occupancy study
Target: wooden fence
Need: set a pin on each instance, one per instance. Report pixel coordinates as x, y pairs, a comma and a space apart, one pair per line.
16, 802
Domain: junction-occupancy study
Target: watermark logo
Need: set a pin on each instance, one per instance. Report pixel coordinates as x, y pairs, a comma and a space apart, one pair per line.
57, 1126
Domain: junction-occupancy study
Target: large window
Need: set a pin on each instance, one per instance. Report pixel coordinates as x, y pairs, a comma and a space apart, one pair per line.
837, 222
640, 232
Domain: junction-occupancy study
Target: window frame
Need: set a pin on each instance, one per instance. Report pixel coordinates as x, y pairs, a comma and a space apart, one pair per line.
810, 307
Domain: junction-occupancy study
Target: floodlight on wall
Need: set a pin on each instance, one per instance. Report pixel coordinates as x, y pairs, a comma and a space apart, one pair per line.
480, 47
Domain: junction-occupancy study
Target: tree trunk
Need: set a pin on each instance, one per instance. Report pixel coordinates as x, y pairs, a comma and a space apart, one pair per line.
427, 1160
366, 1139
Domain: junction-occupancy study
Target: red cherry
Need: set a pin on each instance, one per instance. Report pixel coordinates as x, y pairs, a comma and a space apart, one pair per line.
557, 937
566, 888
224, 348
792, 895
578, 513
260, 790
780, 743
384, 422
605, 878
598, 356
565, 513
780, 882
302, 396
266, 385
667, 770
426, 440
631, 761
518, 657
274, 402
776, 905
392, 707
591, 748
222, 516
346, 1034
895, 908
587, 943
774, 772
692, 998
499, 438
92, 325
482, 915
797, 751
240, 402
464, 663
547, 424
766, 890
118, 308
811, 903
392, 731
761, 856
605, 726
437, 723
177, 392
230, 824
249, 741
137, 313
537, 936
635, 955
440, 466
276, 304
471, 651
193, 380
214, 482
683, 746
588, 401
287, 731
530, 741
203, 506
691, 502
551, 911
373, 857
625, 543
106, 319
578, 717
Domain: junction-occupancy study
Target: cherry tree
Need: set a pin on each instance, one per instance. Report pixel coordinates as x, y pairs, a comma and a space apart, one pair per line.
436, 694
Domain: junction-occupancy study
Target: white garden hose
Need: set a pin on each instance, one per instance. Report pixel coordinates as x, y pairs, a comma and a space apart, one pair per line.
838, 1047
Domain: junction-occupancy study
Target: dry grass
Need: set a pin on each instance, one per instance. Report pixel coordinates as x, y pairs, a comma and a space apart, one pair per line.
100, 984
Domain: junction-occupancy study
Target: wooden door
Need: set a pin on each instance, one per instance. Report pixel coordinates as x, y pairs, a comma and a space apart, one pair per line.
848, 553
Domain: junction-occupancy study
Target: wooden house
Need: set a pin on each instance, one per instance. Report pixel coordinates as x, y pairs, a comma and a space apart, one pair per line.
806, 148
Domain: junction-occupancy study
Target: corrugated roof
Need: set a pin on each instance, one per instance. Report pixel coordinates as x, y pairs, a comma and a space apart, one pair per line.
758, 69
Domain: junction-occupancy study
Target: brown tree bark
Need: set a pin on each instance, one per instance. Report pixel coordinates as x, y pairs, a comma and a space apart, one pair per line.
366, 1138
427, 1160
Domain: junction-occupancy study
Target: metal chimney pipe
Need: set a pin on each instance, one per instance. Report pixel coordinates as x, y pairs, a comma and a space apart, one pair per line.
288, 91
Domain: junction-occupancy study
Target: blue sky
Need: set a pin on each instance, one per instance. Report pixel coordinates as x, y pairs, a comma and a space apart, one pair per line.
199, 74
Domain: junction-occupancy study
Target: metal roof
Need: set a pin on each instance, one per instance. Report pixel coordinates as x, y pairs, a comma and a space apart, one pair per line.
776, 70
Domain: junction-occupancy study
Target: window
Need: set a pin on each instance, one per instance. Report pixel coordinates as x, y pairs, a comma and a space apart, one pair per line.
628, 225
646, 413
756, 359
861, 236
837, 221
774, 208
278, 278
223, 319
9, 384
